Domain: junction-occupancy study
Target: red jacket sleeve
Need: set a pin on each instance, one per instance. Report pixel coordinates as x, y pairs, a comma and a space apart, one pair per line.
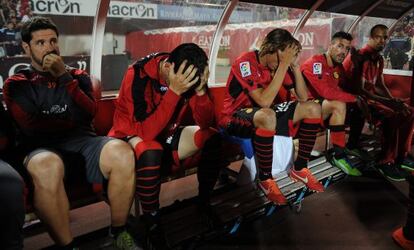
151, 119
203, 110
324, 87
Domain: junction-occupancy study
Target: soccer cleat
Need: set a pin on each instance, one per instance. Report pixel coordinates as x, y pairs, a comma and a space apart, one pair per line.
392, 172
155, 235
272, 191
358, 153
400, 239
305, 176
124, 241
354, 152
408, 164
346, 166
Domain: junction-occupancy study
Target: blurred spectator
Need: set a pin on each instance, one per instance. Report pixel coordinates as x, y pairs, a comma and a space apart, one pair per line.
10, 24
2, 16
409, 28
396, 49
8, 39
28, 13
411, 64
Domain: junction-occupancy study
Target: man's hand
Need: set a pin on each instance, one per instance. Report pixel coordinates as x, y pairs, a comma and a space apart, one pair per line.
294, 65
400, 106
54, 65
201, 89
289, 54
181, 81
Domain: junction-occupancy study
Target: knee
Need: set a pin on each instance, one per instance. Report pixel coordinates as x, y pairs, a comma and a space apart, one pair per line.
148, 153
122, 153
339, 108
46, 170
313, 110
265, 118
145, 147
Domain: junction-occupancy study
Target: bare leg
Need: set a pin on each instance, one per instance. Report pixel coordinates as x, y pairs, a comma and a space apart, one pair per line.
187, 146
117, 163
336, 109
50, 199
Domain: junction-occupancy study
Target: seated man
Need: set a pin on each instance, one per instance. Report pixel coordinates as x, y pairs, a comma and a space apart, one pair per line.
156, 94
364, 69
324, 73
250, 110
53, 107
11, 191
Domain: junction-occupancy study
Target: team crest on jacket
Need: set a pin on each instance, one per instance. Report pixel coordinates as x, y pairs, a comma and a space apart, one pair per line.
336, 75
245, 69
317, 68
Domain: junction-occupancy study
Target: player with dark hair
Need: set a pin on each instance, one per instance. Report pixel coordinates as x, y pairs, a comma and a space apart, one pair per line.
364, 69
157, 93
53, 106
251, 109
324, 74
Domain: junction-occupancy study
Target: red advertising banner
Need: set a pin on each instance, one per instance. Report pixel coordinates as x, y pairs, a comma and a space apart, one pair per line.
237, 38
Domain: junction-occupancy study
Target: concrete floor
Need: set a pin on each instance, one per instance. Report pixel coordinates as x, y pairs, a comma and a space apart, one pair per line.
355, 213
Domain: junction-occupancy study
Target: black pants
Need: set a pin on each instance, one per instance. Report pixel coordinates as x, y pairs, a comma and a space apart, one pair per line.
11, 208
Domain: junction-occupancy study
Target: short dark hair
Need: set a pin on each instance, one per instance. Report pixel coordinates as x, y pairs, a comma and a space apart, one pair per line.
378, 26
342, 35
193, 54
35, 24
277, 39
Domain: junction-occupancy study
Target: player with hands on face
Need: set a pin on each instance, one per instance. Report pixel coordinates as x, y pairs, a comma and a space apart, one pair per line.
158, 93
251, 109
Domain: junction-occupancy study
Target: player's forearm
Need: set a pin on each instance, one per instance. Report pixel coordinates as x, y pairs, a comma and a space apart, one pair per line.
268, 95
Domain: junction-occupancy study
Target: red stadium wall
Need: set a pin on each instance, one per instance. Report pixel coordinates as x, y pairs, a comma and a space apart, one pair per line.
400, 86
236, 38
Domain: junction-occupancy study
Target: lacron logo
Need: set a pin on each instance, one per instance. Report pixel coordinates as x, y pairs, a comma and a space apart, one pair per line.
55, 6
126, 9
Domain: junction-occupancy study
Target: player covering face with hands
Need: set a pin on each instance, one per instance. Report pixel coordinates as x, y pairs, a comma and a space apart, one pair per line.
252, 108
159, 96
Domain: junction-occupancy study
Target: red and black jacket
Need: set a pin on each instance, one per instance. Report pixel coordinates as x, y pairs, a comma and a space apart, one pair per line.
147, 108
46, 109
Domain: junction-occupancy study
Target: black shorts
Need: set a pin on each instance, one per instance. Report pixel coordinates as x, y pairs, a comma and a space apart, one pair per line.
241, 124
284, 115
75, 152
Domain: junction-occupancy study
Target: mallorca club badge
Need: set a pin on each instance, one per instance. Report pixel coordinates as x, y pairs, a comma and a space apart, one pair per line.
336, 75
